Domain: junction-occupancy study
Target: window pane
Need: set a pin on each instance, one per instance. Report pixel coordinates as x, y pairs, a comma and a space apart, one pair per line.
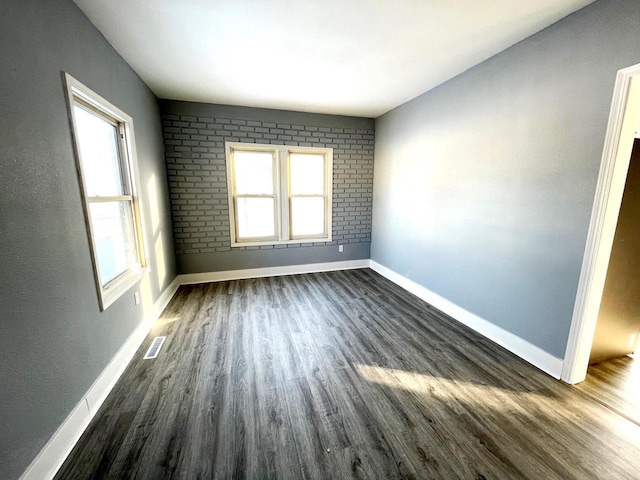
307, 174
98, 143
307, 216
114, 237
255, 217
253, 172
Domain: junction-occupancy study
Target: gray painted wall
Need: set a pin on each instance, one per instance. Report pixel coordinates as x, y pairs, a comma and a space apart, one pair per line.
195, 135
619, 317
484, 186
54, 342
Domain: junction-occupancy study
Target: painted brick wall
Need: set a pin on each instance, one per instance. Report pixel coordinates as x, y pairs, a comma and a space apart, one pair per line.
196, 165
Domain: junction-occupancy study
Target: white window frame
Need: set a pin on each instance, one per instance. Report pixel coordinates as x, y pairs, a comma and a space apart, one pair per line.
77, 93
282, 193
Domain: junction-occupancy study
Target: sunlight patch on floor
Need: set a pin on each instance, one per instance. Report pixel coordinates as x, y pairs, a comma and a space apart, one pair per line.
560, 407
439, 387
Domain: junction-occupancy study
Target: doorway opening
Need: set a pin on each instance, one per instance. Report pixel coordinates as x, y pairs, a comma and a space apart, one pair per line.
606, 319
613, 375
605, 298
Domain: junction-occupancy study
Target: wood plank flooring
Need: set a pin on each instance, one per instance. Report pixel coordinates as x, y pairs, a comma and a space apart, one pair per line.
616, 384
340, 375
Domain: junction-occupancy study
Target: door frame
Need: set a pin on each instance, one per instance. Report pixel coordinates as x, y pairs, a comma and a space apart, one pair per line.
614, 167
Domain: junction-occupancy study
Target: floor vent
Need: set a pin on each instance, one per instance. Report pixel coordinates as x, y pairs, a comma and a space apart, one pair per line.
154, 349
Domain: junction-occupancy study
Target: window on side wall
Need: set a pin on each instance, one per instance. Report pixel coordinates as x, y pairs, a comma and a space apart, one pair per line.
279, 194
107, 169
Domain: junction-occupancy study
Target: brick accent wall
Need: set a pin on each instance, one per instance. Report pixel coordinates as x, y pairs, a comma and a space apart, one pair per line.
196, 166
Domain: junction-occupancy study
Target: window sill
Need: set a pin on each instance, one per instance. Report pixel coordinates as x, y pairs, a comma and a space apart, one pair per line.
281, 242
119, 286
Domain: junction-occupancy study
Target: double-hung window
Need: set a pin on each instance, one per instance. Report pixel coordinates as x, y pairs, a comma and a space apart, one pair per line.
103, 139
279, 194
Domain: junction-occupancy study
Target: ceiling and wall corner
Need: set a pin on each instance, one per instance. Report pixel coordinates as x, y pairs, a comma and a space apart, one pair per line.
355, 57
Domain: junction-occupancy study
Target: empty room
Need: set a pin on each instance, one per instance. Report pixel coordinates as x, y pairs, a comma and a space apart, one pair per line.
331, 239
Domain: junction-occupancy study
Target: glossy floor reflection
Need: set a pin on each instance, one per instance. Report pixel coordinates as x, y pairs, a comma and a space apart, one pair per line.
340, 375
616, 384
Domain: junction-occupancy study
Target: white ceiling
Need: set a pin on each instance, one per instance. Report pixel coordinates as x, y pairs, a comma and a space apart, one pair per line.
350, 57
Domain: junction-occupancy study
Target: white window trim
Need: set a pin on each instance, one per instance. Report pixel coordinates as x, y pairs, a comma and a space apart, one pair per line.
282, 194
109, 293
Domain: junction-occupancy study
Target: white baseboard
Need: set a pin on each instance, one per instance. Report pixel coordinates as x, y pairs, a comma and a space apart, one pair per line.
191, 278
525, 350
54, 453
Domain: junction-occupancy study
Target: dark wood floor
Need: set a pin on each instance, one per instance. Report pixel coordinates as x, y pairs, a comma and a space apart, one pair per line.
616, 384
340, 375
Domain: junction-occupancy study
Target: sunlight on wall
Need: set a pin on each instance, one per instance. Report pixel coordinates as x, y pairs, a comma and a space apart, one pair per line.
152, 191
435, 170
156, 234
161, 271
146, 294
